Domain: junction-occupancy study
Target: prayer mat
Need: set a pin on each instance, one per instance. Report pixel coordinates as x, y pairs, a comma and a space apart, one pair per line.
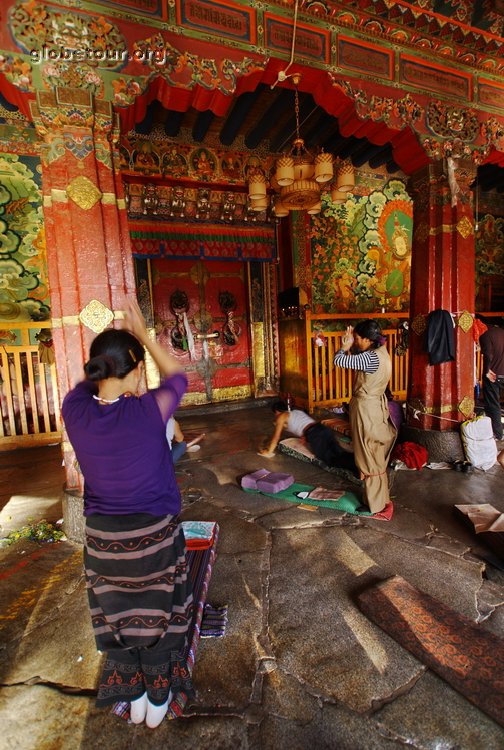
461, 652
297, 448
340, 425
347, 502
200, 563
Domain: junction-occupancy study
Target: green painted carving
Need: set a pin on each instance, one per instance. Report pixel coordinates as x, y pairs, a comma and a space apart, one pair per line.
23, 276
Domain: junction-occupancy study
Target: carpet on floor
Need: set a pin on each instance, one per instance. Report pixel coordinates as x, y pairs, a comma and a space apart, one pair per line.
200, 563
297, 448
461, 652
343, 500
340, 424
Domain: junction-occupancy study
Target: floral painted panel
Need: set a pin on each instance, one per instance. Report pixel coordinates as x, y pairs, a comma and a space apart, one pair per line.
24, 293
361, 251
490, 246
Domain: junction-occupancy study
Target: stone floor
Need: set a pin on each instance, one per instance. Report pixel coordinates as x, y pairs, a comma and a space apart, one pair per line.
300, 666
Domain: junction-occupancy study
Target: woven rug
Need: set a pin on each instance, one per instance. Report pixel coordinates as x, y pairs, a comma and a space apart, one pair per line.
461, 652
339, 424
200, 563
347, 502
297, 448
213, 624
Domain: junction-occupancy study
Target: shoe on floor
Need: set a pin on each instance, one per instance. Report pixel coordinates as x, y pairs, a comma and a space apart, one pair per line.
138, 709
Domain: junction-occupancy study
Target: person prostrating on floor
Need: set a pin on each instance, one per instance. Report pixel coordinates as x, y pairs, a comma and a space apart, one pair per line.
138, 586
320, 438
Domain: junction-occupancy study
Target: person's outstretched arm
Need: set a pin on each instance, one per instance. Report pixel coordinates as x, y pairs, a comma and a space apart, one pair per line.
280, 423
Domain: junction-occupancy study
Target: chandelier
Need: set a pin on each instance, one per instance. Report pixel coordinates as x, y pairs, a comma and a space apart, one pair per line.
299, 178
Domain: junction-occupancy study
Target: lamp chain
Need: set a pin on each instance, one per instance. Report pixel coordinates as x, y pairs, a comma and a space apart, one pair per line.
296, 109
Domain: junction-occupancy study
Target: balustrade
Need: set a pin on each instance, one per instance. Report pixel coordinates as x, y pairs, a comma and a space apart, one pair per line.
29, 402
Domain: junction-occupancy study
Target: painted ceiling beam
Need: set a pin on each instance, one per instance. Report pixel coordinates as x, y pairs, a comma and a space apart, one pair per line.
242, 107
173, 122
364, 153
322, 131
381, 157
202, 124
284, 100
350, 143
286, 135
145, 126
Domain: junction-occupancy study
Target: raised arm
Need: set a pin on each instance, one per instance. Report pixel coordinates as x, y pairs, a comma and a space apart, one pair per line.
134, 322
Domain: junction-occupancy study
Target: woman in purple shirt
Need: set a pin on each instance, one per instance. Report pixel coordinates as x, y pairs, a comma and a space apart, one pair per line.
135, 561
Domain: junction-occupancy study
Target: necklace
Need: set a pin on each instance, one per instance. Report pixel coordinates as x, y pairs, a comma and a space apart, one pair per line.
106, 400
111, 400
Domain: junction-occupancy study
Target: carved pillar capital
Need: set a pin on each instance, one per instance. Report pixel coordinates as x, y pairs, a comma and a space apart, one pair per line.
61, 109
442, 181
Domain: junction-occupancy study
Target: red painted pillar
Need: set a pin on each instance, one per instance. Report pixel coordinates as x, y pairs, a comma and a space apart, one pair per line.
88, 250
442, 277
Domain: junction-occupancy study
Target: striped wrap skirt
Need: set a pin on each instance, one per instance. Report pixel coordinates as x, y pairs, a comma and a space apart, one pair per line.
141, 605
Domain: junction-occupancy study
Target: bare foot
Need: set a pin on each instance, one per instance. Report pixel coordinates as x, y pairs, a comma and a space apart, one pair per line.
265, 453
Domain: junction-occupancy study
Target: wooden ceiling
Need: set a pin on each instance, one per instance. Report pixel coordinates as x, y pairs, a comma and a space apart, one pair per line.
264, 120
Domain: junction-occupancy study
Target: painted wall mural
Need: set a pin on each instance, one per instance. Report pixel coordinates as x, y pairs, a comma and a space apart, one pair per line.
361, 250
24, 293
490, 263
490, 246
158, 155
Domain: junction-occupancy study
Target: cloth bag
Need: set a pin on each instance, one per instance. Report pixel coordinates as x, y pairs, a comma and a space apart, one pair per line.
480, 447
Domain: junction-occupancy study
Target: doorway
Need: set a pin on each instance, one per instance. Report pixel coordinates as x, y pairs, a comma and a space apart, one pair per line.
201, 314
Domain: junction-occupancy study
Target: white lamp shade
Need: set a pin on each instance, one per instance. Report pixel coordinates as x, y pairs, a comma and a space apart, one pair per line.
257, 186
315, 209
345, 178
259, 204
323, 167
338, 196
303, 168
284, 174
279, 208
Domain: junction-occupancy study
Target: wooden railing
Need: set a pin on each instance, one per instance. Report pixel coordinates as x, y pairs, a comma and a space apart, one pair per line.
331, 386
29, 402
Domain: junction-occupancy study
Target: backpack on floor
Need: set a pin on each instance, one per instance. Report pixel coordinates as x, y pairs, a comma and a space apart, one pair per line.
479, 444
